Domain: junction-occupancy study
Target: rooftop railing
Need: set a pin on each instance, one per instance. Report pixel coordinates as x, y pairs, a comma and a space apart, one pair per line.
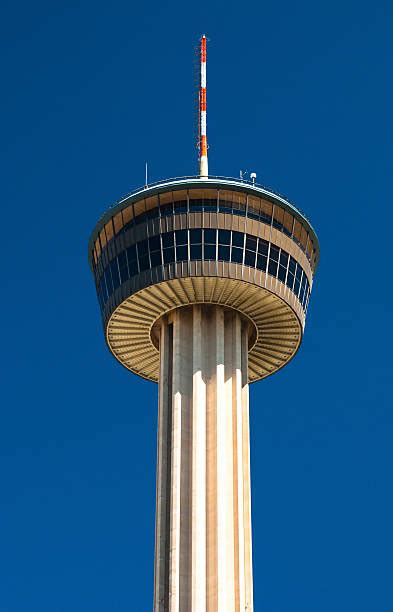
239, 181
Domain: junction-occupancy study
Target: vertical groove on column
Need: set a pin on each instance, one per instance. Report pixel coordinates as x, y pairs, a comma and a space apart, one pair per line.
211, 460
228, 424
184, 322
198, 464
174, 576
224, 478
238, 463
249, 602
161, 569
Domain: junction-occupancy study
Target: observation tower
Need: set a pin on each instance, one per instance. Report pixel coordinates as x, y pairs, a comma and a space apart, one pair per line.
203, 284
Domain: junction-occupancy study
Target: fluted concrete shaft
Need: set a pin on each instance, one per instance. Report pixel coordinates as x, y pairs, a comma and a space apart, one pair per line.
203, 558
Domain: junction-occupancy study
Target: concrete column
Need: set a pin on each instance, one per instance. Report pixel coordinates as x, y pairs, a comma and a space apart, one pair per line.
203, 559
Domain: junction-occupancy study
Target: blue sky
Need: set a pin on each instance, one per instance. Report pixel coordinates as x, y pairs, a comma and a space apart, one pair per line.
302, 94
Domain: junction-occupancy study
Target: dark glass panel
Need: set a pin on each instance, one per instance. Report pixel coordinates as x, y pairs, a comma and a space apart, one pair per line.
181, 237
115, 273
140, 218
209, 251
131, 253
225, 206
223, 252
261, 262
133, 267
284, 258
253, 213
195, 251
249, 258
169, 255
167, 239
209, 236
195, 236
154, 243
237, 255
104, 291
166, 210
155, 258
292, 265
237, 239
297, 287
290, 280
182, 253
251, 243
181, 207
224, 236
144, 263
100, 268
274, 252
298, 272
226, 198
142, 248
263, 247
210, 206
108, 279
152, 213
196, 206
282, 272
273, 267
122, 257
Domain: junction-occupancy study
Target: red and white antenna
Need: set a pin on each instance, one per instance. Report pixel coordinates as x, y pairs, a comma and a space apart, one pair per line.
203, 164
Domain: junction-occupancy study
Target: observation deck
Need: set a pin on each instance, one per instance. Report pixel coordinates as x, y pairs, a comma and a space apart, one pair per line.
214, 240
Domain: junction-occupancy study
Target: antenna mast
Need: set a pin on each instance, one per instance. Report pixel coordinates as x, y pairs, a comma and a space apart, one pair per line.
203, 164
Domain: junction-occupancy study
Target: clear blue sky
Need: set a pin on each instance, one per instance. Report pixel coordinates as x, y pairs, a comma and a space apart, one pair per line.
300, 92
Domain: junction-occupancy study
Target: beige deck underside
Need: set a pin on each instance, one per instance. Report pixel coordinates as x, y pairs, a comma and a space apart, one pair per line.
129, 330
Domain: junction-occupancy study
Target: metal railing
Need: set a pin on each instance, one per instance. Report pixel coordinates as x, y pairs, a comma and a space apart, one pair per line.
239, 181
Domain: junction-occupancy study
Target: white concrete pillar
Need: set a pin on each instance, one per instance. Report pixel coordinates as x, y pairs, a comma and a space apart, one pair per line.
203, 524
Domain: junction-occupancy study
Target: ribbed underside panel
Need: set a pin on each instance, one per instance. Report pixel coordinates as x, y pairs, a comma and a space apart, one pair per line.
130, 328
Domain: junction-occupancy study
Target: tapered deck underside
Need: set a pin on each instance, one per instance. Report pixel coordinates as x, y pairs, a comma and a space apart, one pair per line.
131, 328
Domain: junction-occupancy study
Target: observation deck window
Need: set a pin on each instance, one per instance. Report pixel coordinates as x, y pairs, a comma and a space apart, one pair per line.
182, 245
206, 200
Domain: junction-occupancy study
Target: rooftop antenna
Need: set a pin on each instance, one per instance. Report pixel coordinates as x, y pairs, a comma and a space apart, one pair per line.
203, 164
145, 174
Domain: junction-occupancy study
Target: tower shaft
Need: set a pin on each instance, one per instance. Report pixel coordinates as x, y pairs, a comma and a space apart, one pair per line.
203, 518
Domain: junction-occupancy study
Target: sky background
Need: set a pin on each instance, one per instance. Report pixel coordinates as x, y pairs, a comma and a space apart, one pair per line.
301, 93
